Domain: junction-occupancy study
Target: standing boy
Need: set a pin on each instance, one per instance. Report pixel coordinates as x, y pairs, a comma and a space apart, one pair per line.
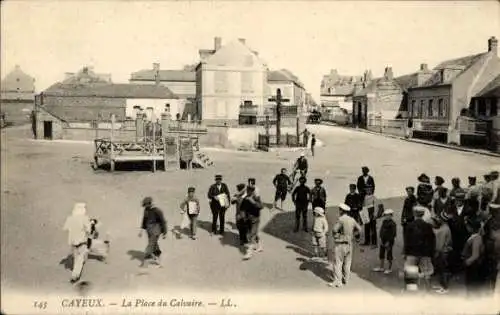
191, 205
301, 196
443, 248
320, 228
353, 200
387, 236
281, 182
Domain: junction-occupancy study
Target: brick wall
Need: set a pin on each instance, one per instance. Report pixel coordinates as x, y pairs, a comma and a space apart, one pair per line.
73, 108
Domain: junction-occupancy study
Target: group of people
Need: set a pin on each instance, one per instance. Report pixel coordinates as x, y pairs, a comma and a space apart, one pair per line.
452, 231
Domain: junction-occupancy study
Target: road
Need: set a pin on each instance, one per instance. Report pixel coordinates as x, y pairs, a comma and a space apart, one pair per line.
42, 180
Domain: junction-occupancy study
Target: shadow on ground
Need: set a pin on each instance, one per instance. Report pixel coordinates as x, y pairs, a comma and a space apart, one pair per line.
140, 166
365, 258
67, 261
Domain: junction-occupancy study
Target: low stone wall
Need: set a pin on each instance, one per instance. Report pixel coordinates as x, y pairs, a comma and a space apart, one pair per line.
395, 127
89, 134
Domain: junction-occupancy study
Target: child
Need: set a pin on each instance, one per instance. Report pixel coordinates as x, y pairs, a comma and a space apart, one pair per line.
313, 144
191, 205
320, 228
353, 200
387, 237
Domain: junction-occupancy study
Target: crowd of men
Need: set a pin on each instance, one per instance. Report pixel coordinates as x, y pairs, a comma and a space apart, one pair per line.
446, 232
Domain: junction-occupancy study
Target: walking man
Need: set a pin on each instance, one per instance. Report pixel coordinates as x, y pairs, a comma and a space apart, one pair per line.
313, 143
301, 196
281, 182
218, 196
301, 165
344, 232
78, 226
252, 205
155, 225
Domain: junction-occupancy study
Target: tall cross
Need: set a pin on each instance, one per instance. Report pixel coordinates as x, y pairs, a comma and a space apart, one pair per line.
278, 99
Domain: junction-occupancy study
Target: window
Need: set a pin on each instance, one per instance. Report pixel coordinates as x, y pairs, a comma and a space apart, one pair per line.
247, 103
494, 107
220, 82
430, 109
411, 110
440, 108
421, 109
247, 82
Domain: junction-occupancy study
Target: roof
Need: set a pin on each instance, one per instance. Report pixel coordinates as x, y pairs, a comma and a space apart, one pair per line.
370, 88
463, 62
111, 90
165, 75
283, 75
407, 81
491, 90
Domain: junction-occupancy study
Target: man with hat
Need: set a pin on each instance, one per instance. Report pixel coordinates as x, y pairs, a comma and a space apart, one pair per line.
439, 182
344, 232
155, 225
420, 244
218, 196
281, 182
458, 214
318, 194
301, 197
456, 189
241, 218
252, 206
365, 183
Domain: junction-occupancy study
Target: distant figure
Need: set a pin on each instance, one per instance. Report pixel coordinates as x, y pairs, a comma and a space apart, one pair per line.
305, 137
313, 144
155, 225
409, 128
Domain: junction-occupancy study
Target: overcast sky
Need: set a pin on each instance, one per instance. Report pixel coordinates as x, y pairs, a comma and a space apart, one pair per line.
49, 38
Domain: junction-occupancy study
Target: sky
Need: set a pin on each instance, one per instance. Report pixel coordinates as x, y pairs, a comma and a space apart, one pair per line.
49, 38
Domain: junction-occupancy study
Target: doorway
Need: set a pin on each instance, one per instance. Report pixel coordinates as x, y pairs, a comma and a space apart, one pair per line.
47, 130
359, 119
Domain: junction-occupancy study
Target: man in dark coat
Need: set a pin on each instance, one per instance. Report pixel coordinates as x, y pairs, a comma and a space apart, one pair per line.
301, 165
215, 196
425, 192
365, 183
318, 194
252, 206
155, 225
241, 217
407, 215
459, 233
281, 182
301, 197
353, 200
420, 244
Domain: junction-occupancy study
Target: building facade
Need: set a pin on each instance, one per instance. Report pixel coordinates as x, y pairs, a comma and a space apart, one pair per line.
17, 96
98, 101
337, 90
446, 95
227, 78
291, 89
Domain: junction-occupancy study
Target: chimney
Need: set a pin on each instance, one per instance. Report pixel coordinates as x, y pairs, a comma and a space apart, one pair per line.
156, 69
493, 45
424, 67
217, 43
388, 73
242, 40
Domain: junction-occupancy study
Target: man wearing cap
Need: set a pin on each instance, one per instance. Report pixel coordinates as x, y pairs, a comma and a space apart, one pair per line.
252, 206
155, 225
241, 217
344, 232
218, 196
420, 244
365, 182
318, 194
301, 197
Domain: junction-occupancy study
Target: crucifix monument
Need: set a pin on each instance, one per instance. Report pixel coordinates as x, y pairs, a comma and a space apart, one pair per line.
278, 99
